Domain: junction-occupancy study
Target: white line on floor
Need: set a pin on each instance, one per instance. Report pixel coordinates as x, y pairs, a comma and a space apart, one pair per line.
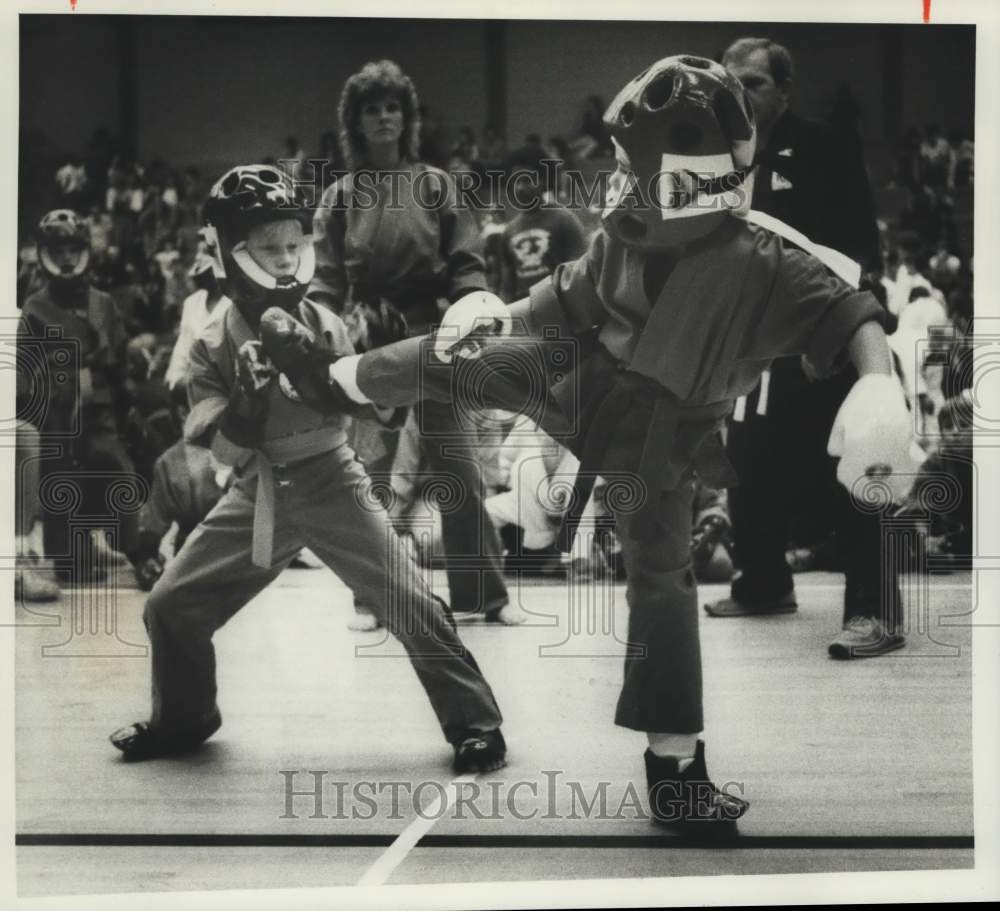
395, 854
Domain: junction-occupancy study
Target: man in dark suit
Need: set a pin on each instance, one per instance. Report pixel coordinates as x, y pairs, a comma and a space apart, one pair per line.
812, 178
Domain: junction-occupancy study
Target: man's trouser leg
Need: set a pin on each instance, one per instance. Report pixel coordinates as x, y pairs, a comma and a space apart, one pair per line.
758, 509
662, 689
871, 576
468, 534
211, 578
350, 531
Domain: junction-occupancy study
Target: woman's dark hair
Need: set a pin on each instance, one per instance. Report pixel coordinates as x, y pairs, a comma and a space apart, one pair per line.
377, 79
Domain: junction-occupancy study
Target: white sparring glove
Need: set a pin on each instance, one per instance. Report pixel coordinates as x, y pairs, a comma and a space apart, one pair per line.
344, 372
873, 436
474, 317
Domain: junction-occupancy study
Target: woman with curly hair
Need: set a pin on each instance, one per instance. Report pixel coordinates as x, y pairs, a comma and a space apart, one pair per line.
390, 231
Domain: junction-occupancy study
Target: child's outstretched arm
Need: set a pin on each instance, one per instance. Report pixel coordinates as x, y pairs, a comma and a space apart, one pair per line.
421, 367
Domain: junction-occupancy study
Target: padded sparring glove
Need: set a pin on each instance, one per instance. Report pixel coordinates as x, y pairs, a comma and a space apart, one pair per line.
148, 572
305, 360
873, 436
246, 414
468, 323
371, 326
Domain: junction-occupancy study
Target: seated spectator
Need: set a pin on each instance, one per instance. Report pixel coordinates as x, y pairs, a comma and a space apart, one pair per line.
71, 182
908, 161
466, 149
30, 275
961, 164
492, 150
592, 139
935, 157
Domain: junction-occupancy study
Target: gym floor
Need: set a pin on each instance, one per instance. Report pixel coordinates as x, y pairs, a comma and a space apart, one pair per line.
848, 766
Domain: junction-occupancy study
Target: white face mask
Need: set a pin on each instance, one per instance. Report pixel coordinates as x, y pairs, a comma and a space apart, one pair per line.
79, 267
303, 274
676, 184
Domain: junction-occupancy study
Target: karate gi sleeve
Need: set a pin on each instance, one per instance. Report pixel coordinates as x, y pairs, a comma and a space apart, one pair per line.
208, 395
461, 244
812, 312
329, 284
568, 300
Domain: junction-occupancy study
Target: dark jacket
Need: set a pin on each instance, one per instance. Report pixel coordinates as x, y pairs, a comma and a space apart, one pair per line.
814, 179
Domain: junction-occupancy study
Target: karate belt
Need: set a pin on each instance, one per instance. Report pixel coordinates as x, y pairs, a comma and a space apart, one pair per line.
675, 435
283, 451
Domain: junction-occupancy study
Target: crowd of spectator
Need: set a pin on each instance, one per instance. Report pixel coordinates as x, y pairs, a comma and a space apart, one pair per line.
144, 221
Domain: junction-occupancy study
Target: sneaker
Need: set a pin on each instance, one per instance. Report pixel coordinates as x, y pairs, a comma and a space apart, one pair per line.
687, 801
730, 607
864, 637
29, 586
480, 752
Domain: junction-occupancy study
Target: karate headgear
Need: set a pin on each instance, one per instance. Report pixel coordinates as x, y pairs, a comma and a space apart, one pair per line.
685, 132
243, 198
63, 227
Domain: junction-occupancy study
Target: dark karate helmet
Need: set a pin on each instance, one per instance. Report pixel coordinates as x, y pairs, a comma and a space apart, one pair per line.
64, 228
243, 198
685, 137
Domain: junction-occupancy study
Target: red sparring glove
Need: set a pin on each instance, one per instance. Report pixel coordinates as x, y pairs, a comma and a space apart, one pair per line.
305, 359
246, 414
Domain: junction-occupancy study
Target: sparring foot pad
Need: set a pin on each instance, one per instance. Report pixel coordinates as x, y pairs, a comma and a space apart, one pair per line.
687, 802
140, 741
480, 752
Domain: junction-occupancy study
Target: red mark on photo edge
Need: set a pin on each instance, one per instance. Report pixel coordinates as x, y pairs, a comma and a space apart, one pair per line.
72, 5
927, 10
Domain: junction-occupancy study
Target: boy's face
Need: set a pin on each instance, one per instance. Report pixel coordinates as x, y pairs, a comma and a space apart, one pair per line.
276, 246
66, 257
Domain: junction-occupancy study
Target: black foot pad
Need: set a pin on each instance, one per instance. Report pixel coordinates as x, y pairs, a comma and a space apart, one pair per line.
480, 752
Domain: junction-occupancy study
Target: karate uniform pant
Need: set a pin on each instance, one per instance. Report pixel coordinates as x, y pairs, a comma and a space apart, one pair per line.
323, 503
472, 550
781, 461
662, 687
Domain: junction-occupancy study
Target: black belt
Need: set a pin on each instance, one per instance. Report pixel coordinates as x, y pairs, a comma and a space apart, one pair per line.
601, 417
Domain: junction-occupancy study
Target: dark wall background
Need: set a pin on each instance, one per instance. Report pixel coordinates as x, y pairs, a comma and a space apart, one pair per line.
212, 91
